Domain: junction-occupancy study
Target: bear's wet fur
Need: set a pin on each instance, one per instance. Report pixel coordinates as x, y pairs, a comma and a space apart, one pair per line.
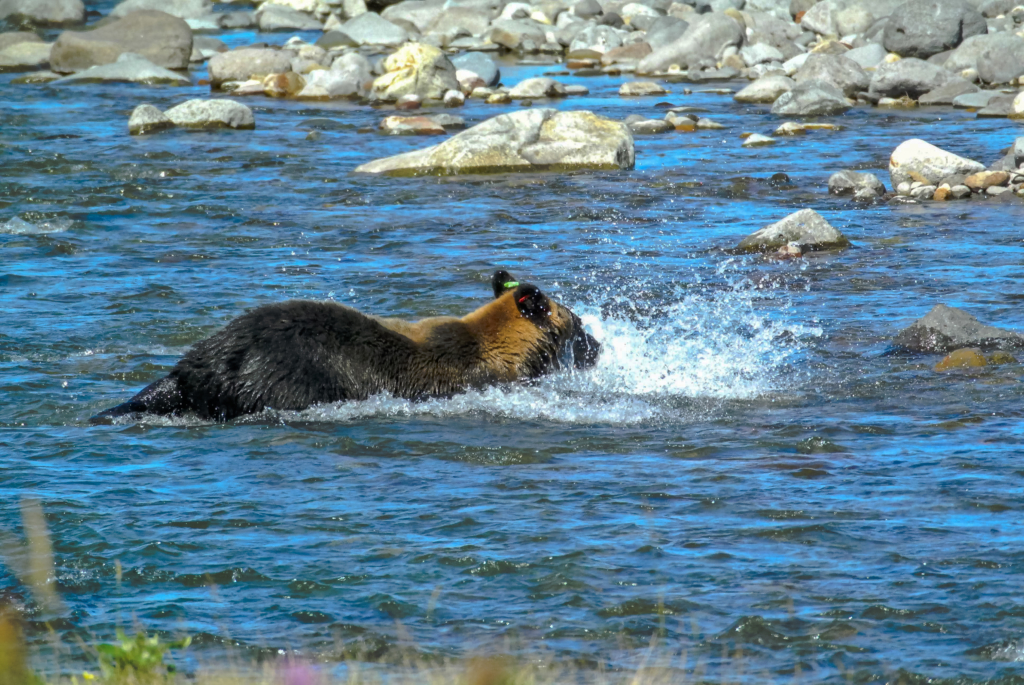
292, 355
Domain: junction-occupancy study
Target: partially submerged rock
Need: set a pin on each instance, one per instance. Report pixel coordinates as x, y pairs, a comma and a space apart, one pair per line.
849, 182
948, 328
964, 358
239, 65
766, 89
147, 119
811, 98
216, 113
25, 55
641, 88
528, 140
916, 160
806, 228
535, 88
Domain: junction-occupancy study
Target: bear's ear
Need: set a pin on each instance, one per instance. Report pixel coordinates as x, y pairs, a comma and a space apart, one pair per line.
502, 281
532, 303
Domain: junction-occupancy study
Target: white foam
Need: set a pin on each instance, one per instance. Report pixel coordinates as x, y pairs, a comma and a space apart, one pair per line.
18, 226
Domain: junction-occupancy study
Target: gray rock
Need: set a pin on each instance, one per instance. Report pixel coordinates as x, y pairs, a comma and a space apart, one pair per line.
43, 12
665, 31
587, 9
915, 160
237, 20
526, 140
17, 37
853, 20
998, 107
164, 40
349, 76
25, 56
944, 329
534, 88
239, 65
1001, 60
597, 38
922, 28
475, 22
975, 100
335, 39
867, 56
481, 65
216, 113
944, 95
821, 18
147, 119
370, 28
765, 89
760, 54
811, 98
966, 54
649, 126
806, 228
184, 9
849, 182
418, 13
129, 68
1018, 152
274, 17
911, 77
511, 33
707, 38
837, 70
993, 8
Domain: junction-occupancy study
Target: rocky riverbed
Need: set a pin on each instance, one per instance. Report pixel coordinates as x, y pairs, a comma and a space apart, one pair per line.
794, 226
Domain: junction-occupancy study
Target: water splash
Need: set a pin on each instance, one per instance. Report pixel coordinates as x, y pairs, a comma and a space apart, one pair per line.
705, 346
18, 226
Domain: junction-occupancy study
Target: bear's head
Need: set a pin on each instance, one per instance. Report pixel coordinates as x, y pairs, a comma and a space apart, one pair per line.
563, 330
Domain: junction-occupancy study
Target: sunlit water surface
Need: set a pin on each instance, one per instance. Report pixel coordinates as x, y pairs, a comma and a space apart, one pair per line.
748, 468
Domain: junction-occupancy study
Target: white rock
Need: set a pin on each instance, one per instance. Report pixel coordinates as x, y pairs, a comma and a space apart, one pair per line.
806, 228
213, 113
914, 160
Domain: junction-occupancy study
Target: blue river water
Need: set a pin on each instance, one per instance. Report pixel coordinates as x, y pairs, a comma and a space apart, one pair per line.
749, 477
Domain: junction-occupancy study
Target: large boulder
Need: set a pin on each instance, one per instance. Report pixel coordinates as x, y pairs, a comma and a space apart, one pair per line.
916, 160
810, 99
837, 70
184, 9
1001, 60
216, 113
419, 13
416, 69
164, 40
43, 12
525, 140
457, 19
806, 228
129, 68
706, 39
908, 77
350, 75
922, 28
239, 65
948, 328
766, 89
370, 29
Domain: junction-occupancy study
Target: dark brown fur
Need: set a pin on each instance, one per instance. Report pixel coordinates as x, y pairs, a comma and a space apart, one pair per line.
295, 354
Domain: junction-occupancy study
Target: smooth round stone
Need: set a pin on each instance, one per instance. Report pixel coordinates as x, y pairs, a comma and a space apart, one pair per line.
965, 358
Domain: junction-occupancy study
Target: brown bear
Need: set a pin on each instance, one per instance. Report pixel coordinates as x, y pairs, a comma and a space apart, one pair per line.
295, 354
